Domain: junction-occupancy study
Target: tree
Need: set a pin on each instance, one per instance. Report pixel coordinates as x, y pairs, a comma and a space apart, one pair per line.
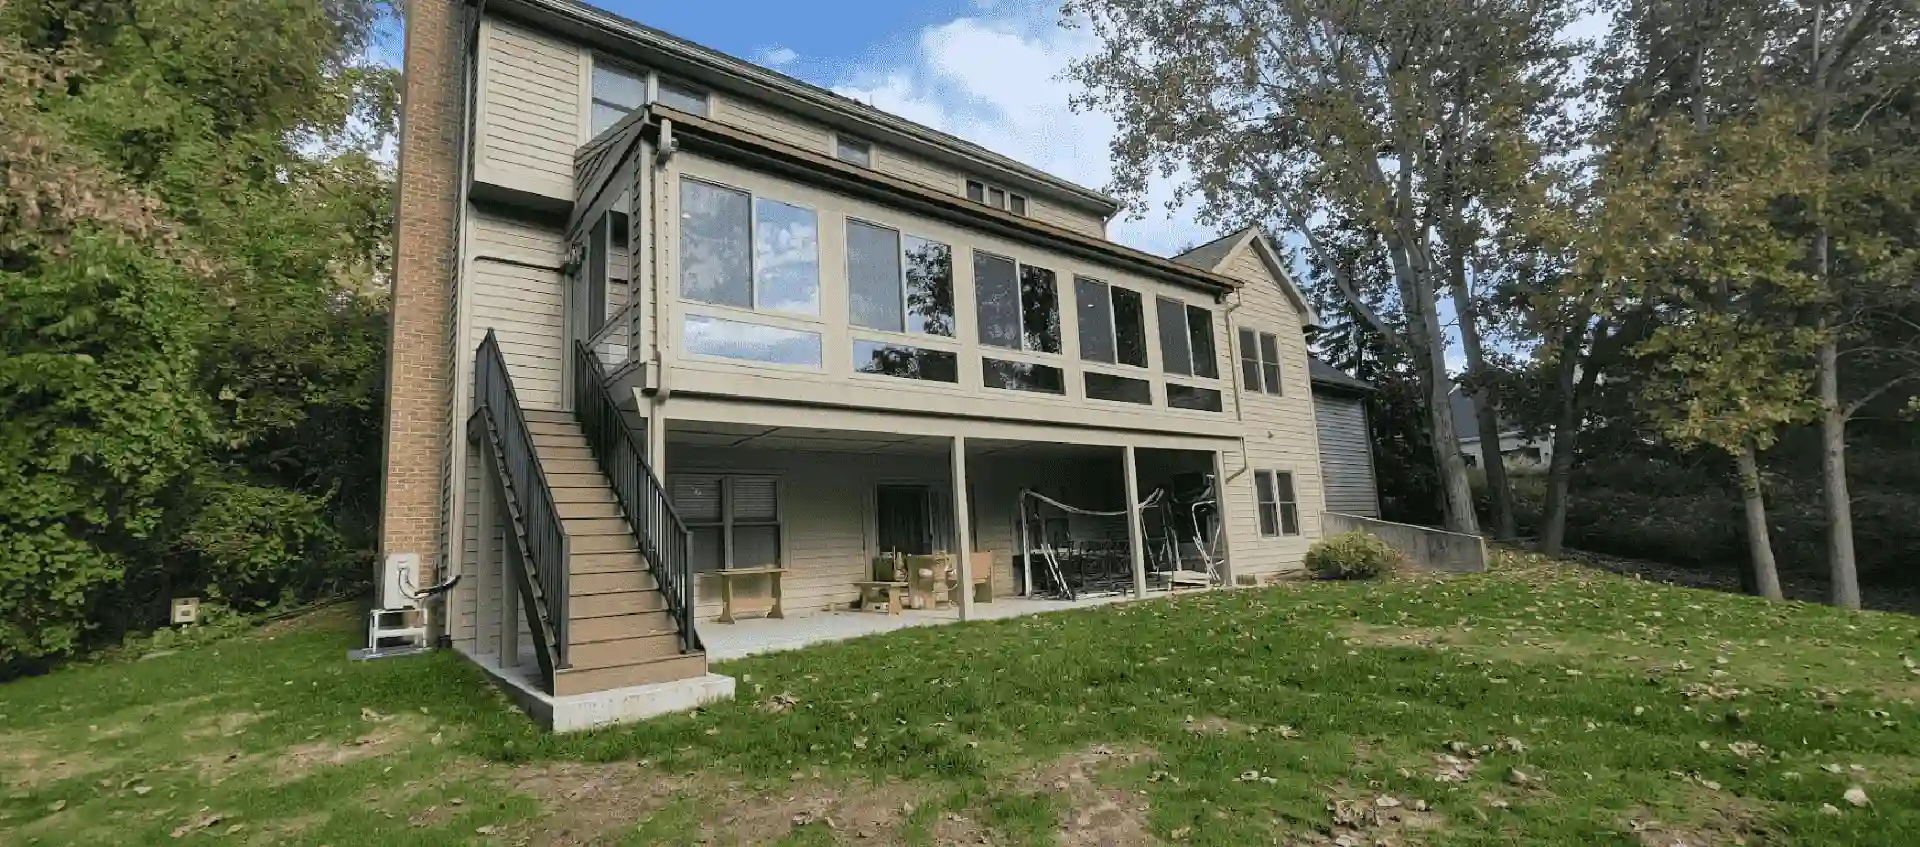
1404, 119
191, 255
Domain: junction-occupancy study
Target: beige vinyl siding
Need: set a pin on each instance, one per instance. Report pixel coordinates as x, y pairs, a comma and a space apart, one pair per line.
917, 170
826, 513
1281, 433
767, 121
1060, 216
464, 602
517, 292
530, 110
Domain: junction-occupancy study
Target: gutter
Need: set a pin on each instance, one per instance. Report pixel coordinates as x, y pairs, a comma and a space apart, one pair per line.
741, 76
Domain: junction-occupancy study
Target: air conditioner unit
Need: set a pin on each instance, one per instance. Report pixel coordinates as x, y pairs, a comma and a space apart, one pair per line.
400, 581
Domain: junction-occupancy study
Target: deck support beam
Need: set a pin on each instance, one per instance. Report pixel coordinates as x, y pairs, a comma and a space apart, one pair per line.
962, 529
1136, 533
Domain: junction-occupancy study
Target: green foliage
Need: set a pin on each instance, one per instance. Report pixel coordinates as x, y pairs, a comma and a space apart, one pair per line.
1354, 554
191, 253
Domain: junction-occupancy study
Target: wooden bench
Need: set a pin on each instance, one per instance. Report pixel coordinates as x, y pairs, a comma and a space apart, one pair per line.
730, 609
870, 592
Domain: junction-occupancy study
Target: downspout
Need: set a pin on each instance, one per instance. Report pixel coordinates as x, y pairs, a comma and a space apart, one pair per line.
663, 154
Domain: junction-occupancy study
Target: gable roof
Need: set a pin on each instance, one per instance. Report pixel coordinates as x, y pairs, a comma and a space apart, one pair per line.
1213, 254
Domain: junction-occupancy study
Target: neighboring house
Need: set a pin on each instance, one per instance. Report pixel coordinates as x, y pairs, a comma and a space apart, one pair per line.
1346, 441
1518, 449
660, 313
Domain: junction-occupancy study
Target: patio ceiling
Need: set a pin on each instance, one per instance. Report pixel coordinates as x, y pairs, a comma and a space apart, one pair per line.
764, 437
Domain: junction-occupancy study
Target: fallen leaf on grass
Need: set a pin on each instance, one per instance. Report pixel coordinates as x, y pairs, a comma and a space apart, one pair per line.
1856, 795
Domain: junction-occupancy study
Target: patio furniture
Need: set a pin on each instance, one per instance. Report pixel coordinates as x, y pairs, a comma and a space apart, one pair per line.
930, 587
873, 594
731, 609
982, 577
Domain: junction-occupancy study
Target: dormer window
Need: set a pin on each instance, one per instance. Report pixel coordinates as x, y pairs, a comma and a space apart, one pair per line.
997, 197
853, 151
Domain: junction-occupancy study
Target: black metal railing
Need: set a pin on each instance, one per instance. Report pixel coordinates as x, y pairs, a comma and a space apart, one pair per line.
663, 537
545, 539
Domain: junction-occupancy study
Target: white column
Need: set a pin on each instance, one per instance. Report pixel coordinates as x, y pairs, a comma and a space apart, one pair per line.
1220, 514
1136, 534
962, 531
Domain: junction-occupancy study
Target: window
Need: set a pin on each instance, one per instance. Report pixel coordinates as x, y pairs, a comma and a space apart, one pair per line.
678, 95
1039, 309
896, 289
1193, 397
781, 273
1022, 376
1186, 339
997, 288
853, 150
873, 357
1260, 361
1119, 389
732, 521
617, 92
997, 197
1111, 324
751, 342
1279, 514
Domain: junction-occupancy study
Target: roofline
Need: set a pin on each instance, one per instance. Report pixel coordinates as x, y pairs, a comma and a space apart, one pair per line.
701, 136
1276, 267
630, 33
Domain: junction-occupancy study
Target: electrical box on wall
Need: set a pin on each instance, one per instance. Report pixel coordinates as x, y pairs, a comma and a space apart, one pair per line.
399, 580
186, 610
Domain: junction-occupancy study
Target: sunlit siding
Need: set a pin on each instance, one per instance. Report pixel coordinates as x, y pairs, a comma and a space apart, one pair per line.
530, 110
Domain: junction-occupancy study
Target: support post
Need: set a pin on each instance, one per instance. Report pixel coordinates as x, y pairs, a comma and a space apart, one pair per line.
962, 531
656, 437
487, 575
1220, 515
509, 582
1136, 534
1026, 545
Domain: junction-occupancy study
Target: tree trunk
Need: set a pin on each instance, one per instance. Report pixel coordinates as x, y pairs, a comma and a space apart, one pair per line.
1842, 567
1485, 414
1553, 529
1765, 575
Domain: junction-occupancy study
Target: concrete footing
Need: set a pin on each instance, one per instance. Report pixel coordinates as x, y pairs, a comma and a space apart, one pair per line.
578, 712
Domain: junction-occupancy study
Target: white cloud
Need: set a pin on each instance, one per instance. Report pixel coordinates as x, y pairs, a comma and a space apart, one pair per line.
778, 57
996, 80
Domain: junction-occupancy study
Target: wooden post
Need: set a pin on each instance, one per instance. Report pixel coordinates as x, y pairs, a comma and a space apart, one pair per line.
1136, 534
487, 575
1026, 546
1220, 514
509, 581
962, 532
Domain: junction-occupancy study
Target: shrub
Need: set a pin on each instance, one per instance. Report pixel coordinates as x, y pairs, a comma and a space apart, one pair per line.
1353, 555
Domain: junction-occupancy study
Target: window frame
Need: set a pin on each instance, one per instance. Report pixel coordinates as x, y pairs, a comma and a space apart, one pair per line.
1020, 308
650, 81
1266, 493
753, 254
1268, 376
866, 147
1012, 202
727, 523
900, 237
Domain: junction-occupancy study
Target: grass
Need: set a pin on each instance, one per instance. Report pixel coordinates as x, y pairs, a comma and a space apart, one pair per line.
1538, 703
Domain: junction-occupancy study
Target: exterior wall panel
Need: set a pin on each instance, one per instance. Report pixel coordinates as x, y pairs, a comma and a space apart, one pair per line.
530, 110
1346, 459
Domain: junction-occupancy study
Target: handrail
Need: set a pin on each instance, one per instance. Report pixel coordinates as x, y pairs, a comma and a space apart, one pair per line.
546, 536
664, 540
614, 321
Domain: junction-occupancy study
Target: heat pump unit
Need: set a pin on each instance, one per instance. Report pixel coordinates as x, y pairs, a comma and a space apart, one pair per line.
400, 581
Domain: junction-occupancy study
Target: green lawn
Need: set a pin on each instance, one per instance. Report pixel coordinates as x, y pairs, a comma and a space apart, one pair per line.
1536, 704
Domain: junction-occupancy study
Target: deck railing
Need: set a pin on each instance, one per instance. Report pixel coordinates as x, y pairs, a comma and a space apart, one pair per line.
664, 540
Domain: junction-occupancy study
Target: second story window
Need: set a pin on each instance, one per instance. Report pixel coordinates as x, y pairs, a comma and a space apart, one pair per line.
618, 91
997, 197
747, 252
1260, 361
898, 283
1018, 305
1186, 339
1112, 325
853, 151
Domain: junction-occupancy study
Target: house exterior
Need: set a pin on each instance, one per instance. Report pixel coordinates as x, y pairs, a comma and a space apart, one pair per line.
1518, 450
661, 315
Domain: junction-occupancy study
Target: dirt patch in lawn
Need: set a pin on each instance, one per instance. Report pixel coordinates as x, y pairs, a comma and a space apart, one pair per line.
222, 726
586, 803
1214, 725
1094, 813
297, 762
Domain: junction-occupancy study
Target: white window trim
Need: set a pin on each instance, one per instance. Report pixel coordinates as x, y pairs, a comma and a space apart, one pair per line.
1279, 505
1006, 196
1260, 362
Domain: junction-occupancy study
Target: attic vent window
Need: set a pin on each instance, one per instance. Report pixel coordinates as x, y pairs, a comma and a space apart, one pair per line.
853, 151
997, 197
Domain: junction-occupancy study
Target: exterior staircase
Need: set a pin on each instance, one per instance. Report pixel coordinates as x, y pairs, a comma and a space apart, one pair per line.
620, 631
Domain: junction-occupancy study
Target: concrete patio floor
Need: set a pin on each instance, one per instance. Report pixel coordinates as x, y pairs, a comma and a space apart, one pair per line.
726, 641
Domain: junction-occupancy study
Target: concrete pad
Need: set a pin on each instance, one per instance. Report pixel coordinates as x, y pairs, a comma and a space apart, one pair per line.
578, 712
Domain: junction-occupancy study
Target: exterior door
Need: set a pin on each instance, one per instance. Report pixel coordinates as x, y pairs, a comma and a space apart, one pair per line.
902, 519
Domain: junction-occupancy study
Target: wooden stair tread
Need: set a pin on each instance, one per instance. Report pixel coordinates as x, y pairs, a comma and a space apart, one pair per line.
586, 681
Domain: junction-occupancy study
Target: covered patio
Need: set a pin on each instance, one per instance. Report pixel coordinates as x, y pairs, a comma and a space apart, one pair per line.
813, 509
